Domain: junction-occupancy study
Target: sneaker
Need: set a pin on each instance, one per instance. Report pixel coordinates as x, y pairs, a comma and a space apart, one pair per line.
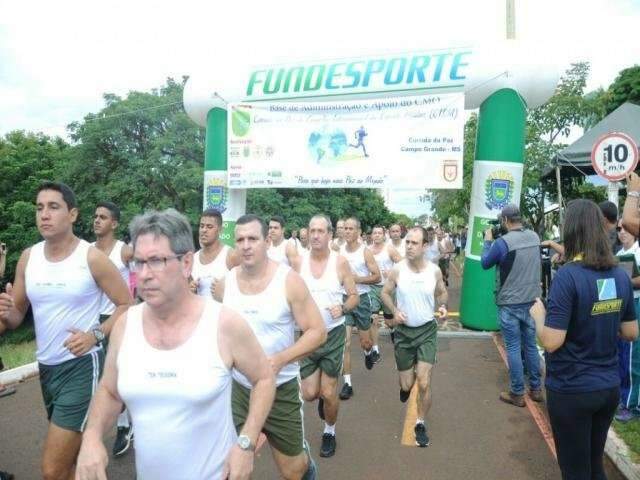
624, 414
328, 448
375, 356
508, 397
347, 392
123, 441
422, 440
404, 396
312, 470
6, 476
536, 395
368, 361
321, 408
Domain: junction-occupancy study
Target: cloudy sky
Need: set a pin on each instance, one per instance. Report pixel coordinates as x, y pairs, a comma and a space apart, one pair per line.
58, 58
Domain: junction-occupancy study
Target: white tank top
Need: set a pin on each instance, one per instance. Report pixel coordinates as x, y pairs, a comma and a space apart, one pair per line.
204, 274
106, 306
326, 290
358, 266
432, 253
63, 295
415, 293
385, 264
269, 315
279, 253
179, 400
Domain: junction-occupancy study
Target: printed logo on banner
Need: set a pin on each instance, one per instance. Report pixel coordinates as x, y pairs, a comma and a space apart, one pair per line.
498, 189
450, 170
217, 195
240, 121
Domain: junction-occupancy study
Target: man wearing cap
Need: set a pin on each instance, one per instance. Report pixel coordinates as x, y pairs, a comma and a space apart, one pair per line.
517, 255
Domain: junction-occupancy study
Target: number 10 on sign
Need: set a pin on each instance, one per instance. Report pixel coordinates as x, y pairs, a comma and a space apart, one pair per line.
614, 156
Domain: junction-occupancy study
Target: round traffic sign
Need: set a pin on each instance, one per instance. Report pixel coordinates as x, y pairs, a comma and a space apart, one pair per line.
614, 156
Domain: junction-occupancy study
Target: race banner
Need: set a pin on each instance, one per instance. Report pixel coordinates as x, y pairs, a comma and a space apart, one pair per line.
408, 142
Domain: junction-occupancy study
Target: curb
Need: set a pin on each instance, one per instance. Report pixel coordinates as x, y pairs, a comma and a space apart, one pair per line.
19, 374
619, 454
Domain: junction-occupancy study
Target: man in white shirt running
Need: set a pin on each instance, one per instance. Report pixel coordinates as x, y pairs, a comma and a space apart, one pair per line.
327, 275
273, 298
105, 224
280, 249
170, 360
63, 278
418, 287
339, 240
214, 259
395, 235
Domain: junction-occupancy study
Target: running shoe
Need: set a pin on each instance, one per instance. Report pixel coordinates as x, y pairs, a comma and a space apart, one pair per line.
375, 356
404, 396
123, 441
347, 392
321, 408
422, 440
6, 476
368, 361
328, 448
625, 415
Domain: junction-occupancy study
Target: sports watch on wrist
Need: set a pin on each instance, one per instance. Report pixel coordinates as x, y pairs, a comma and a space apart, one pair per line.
244, 442
99, 334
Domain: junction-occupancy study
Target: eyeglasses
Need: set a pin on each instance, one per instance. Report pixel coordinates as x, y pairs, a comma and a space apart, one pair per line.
154, 264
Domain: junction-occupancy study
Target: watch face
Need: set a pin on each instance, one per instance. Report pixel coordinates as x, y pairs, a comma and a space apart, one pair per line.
244, 442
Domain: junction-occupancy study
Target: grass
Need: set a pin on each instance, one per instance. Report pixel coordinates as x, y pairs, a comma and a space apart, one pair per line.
15, 355
630, 434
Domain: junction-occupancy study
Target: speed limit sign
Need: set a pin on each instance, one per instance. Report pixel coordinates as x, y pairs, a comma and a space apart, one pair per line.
614, 156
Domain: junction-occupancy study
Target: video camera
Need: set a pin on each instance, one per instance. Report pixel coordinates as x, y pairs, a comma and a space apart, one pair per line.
497, 229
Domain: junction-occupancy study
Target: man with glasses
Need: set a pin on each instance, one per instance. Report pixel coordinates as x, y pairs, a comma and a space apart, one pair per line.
63, 278
273, 299
170, 360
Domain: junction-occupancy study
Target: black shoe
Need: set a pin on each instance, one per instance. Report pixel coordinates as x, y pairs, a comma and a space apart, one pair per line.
368, 361
392, 334
328, 448
321, 408
421, 435
404, 396
9, 476
375, 356
123, 441
347, 392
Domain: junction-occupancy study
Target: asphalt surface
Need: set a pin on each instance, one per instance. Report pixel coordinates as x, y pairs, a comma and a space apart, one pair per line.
473, 435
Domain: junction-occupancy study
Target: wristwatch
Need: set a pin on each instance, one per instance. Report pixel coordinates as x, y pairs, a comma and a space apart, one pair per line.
244, 442
99, 334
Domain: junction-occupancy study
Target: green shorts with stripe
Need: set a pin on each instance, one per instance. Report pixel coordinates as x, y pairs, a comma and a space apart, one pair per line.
328, 358
67, 389
360, 317
377, 305
284, 428
415, 344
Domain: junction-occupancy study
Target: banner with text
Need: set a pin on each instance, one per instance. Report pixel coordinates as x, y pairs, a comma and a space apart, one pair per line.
409, 142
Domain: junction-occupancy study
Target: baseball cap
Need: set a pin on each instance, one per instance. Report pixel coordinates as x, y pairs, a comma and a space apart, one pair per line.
511, 212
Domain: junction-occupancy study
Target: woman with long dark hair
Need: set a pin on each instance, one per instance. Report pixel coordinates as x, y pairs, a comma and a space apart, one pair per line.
590, 304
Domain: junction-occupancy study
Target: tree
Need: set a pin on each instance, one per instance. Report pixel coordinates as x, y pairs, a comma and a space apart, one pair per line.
625, 88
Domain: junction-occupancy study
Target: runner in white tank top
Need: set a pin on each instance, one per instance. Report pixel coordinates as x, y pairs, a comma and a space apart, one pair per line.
273, 298
214, 259
365, 273
105, 225
170, 359
280, 249
395, 238
328, 277
417, 284
63, 278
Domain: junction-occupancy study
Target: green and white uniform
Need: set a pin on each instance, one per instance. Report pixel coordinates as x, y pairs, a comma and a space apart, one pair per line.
359, 317
385, 264
205, 273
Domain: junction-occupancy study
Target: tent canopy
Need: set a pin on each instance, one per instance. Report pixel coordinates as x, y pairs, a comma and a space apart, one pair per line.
576, 158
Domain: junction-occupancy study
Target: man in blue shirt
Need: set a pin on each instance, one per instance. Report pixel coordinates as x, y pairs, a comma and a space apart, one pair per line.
517, 256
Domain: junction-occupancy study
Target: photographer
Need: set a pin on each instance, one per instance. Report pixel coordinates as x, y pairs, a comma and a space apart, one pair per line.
517, 255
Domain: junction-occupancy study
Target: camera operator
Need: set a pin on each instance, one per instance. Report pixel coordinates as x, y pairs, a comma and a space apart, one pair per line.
516, 253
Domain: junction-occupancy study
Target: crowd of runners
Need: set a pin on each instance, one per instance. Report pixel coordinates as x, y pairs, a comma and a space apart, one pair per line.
199, 352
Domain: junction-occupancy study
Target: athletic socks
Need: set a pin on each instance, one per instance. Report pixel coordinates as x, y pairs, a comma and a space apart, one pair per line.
375, 349
347, 379
330, 429
368, 352
123, 419
420, 420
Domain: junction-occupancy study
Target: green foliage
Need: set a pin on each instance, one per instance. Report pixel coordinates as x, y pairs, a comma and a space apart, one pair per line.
630, 434
24, 333
625, 88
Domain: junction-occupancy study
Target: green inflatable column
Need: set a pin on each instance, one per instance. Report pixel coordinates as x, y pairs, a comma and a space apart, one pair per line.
230, 203
497, 180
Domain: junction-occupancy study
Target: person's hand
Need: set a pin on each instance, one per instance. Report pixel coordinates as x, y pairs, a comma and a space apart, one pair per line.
633, 182
239, 464
6, 303
399, 317
537, 310
488, 235
336, 311
443, 312
80, 342
276, 363
92, 460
